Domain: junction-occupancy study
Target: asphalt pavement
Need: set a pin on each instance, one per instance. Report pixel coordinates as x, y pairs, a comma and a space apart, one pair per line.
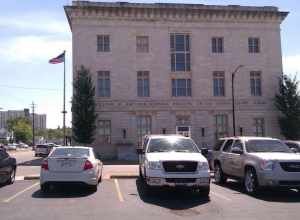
127, 199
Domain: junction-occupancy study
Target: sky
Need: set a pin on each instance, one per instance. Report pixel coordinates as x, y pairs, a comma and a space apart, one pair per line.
34, 31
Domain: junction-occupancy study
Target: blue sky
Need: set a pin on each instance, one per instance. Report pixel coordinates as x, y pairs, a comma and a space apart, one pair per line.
33, 31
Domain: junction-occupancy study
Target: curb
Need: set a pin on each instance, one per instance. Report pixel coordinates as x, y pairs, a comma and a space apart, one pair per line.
124, 176
31, 177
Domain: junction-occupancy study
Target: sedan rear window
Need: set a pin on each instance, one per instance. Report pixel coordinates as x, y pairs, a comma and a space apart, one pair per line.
255, 146
70, 152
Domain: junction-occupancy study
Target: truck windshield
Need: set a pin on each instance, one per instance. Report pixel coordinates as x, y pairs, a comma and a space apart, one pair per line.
172, 144
255, 146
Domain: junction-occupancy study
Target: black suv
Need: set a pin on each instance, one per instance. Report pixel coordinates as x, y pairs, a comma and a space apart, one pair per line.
8, 166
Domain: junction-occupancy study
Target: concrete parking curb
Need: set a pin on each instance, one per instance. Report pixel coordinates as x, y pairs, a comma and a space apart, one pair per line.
123, 176
31, 177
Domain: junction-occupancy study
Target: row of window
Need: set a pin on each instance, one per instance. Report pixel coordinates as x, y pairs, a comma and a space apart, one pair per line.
144, 126
180, 87
179, 48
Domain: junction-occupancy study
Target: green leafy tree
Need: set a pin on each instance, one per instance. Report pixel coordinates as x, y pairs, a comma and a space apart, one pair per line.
83, 108
21, 128
288, 103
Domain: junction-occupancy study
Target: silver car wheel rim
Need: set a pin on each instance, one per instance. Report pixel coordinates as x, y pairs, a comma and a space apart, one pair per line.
217, 175
12, 175
249, 182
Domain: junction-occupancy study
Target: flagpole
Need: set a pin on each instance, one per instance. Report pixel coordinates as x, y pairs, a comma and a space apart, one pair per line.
64, 105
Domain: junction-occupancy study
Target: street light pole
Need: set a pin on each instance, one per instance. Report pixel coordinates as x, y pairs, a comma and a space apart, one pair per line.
232, 95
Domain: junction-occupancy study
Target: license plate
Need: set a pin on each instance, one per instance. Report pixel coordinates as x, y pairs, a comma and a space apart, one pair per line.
66, 163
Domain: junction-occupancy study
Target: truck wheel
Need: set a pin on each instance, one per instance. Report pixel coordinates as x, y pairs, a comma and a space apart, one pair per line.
140, 174
219, 176
204, 191
250, 182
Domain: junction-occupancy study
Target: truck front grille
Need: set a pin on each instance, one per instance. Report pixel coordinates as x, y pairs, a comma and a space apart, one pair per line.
180, 166
290, 166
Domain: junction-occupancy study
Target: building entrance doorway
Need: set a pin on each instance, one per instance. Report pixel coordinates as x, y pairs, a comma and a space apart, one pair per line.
184, 130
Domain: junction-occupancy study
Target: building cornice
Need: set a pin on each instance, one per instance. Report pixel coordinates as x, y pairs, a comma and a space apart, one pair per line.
171, 12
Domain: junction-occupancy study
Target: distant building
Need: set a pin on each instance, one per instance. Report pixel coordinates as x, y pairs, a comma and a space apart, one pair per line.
166, 68
39, 119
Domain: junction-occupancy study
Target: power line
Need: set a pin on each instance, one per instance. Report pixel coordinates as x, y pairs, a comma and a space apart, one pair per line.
30, 88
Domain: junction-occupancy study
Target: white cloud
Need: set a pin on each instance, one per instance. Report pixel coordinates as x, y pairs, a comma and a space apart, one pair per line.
291, 64
32, 48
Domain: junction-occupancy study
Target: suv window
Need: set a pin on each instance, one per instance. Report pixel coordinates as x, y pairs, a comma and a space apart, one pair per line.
218, 145
227, 145
237, 144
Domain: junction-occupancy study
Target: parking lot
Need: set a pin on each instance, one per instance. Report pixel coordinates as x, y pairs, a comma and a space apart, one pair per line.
126, 199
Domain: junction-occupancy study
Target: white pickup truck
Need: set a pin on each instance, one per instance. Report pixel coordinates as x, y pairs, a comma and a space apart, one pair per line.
175, 161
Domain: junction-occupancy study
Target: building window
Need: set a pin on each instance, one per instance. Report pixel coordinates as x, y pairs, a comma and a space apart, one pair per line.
103, 43
143, 127
253, 45
103, 84
180, 52
104, 131
259, 124
255, 83
221, 126
142, 44
219, 83
143, 84
181, 87
217, 45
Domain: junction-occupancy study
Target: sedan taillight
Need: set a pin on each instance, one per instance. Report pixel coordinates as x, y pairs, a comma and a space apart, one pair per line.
45, 165
87, 165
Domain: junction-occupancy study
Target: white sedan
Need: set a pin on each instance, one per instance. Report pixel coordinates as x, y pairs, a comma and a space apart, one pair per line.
71, 165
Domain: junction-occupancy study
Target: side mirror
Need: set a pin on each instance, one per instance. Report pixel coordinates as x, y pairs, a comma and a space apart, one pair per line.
237, 150
204, 151
140, 151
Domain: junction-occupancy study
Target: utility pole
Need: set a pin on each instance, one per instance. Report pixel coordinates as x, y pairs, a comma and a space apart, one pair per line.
33, 130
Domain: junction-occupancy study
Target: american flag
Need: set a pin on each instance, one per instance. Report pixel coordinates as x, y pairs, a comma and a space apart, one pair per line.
59, 59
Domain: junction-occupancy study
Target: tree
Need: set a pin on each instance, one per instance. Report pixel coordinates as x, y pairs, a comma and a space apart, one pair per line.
288, 103
21, 128
83, 108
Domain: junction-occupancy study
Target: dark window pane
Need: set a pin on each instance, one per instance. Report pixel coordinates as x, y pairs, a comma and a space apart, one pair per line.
179, 42
180, 62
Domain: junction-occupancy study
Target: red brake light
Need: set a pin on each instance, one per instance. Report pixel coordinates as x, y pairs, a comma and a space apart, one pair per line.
45, 165
87, 165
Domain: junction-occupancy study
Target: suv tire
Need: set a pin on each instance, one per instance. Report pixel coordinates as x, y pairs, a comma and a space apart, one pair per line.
250, 181
12, 176
219, 176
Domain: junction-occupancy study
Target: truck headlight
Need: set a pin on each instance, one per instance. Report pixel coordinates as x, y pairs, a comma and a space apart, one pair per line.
154, 165
203, 166
267, 165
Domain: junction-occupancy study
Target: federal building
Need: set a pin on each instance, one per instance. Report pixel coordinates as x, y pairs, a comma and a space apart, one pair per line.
167, 68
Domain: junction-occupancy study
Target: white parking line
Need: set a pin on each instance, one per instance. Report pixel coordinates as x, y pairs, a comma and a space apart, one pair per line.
220, 196
21, 192
120, 196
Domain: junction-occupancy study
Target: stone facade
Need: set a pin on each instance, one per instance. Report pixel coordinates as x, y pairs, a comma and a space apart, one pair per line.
123, 22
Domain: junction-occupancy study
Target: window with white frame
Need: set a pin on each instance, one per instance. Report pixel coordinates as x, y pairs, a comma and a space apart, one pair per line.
180, 52
142, 44
104, 131
221, 125
104, 83
144, 126
217, 45
219, 83
255, 83
259, 126
103, 43
143, 84
181, 87
253, 45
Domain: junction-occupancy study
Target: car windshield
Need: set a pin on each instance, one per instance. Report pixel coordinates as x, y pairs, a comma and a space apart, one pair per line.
172, 144
70, 152
255, 146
